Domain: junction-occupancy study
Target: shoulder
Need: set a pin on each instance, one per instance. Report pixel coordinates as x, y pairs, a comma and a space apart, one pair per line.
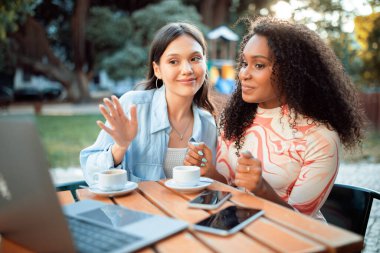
137, 97
323, 132
206, 116
323, 138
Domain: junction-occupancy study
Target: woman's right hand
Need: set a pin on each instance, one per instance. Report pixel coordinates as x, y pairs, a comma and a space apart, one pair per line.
121, 129
198, 154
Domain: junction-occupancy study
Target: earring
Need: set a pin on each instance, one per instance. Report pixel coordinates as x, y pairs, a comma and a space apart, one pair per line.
156, 83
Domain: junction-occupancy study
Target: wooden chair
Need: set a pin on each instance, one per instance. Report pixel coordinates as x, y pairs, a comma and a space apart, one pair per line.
349, 207
72, 187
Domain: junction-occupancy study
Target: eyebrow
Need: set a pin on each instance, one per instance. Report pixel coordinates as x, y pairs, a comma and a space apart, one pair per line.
260, 56
175, 54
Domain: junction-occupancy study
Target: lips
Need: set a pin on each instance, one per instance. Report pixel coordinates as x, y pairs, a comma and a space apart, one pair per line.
246, 88
188, 80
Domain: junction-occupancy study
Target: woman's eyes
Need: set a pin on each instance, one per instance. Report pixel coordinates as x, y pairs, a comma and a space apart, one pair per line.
196, 58
193, 59
256, 65
259, 66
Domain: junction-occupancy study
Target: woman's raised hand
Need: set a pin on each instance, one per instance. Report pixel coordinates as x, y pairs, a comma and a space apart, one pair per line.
248, 172
198, 154
121, 129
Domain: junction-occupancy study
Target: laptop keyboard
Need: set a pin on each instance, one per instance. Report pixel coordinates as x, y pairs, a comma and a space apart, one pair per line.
90, 237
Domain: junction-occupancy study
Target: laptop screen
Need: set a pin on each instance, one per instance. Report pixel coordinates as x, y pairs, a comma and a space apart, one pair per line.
114, 215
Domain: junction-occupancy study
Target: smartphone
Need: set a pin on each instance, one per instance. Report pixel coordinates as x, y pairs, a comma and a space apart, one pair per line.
229, 220
209, 199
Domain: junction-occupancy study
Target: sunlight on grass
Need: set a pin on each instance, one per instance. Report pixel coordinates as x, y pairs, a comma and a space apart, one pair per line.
65, 136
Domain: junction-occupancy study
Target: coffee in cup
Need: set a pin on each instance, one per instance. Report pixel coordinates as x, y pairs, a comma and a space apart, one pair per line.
186, 176
111, 180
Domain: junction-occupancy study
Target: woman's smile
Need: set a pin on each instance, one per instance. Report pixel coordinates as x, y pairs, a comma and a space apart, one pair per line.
247, 89
187, 81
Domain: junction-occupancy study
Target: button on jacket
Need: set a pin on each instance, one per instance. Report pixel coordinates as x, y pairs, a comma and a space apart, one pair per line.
145, 155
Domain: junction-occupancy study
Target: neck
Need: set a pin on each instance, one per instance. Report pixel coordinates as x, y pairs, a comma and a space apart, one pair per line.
179, 108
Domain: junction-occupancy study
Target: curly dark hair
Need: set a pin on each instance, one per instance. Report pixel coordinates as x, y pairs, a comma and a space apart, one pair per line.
310, 77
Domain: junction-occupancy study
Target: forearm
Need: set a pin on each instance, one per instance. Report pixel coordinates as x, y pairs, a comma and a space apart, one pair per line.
266, 191
118, 153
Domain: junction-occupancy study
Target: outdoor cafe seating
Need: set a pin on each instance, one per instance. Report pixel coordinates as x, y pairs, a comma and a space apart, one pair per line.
279, 230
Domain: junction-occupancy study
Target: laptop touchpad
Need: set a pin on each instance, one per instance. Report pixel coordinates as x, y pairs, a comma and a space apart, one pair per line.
114, 215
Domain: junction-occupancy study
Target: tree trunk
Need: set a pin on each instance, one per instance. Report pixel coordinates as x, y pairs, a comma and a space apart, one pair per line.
207, 12
34, 54
82, 84
214, 12
220, 16
78, 23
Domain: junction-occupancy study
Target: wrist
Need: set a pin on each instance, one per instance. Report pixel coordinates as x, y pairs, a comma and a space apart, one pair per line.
119, 148
261, 189
118, 153
210, 171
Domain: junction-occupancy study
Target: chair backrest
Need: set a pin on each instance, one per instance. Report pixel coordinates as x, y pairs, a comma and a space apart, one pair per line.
349, 207
72, 187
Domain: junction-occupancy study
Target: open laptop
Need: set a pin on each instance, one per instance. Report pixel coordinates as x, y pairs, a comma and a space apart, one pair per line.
31, 215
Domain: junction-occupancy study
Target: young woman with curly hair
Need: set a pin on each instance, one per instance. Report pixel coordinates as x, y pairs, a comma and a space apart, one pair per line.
282, 130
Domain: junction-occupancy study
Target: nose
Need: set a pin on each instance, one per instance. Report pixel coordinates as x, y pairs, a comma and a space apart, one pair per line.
244, 74
187, 68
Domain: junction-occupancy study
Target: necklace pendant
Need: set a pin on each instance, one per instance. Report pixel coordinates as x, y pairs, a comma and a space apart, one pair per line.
181, 137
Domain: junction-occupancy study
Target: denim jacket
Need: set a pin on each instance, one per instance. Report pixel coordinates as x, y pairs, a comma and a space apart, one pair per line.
145, 155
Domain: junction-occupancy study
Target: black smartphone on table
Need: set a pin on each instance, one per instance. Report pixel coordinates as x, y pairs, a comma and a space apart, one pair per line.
228, 220
210, 199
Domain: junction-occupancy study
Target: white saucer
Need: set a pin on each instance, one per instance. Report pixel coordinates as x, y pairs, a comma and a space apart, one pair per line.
188, 189
130, 186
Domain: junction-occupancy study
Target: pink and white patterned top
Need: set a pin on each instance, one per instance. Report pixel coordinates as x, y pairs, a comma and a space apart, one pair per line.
300, 164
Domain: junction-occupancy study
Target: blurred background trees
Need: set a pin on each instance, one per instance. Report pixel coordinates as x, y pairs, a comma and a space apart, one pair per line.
72, 41
123, 39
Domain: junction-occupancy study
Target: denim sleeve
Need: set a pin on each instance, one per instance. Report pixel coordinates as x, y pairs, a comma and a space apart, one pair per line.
97, 157
213, 147
213, 135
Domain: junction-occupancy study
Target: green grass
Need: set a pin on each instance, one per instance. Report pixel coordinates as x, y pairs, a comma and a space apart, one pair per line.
65, 136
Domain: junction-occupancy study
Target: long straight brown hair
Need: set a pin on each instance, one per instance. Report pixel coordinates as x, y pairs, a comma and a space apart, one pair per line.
162, 39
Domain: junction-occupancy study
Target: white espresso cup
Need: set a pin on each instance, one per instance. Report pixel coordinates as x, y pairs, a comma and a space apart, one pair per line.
111, 180
186, 176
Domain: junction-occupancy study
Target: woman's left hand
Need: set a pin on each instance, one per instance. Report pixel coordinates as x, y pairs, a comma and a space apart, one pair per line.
199, 154
248, 172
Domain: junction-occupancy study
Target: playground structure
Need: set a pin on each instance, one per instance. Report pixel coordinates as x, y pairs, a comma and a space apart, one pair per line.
222, 48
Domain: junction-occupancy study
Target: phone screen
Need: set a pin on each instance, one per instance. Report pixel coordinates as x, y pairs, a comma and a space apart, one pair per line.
210, 197
229, 217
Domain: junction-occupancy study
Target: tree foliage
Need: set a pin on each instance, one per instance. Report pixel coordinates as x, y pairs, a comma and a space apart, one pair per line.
122, 40
107, 30
367, 30
118, 33
12, 13
359, 49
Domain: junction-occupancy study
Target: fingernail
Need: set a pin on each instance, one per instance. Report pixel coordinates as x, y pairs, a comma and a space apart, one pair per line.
246, 152
200, 152
204, 160
202, 164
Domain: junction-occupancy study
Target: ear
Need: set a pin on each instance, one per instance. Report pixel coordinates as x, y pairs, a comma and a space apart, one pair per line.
156, 70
